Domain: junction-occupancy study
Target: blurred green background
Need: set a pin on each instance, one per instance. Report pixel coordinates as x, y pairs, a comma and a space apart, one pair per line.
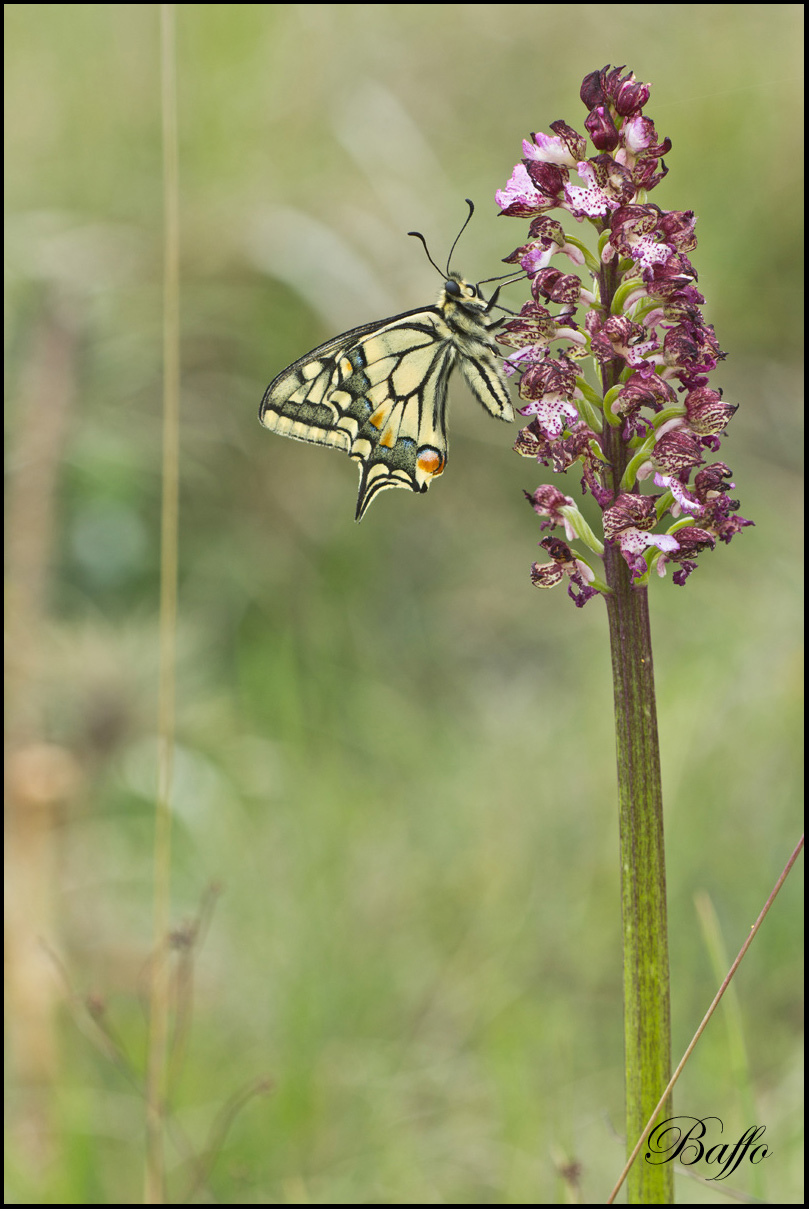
394, 755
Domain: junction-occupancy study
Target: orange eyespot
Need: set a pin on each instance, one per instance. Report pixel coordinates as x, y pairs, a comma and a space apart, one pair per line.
430, 461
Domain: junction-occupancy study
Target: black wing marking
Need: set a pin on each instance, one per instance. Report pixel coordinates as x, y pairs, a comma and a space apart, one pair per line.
379, 392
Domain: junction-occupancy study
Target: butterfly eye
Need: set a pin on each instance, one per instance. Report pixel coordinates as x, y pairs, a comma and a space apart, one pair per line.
452, 287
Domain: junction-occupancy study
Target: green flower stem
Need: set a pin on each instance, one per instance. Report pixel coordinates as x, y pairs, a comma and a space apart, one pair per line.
591, 417
647, 1020
630, 475
589, 259
609, 399
624, 291
592, 396
582, 530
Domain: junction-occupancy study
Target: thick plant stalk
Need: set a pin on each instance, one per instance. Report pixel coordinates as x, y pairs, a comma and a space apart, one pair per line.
647, 1005
647, 1018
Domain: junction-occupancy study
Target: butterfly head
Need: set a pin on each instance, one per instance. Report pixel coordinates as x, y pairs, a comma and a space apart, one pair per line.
464, 294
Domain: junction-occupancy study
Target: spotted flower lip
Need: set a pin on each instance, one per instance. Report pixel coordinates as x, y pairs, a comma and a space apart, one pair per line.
549, 501
642, 233
521, 198
564, 565
629, 522
608, 186
639, 324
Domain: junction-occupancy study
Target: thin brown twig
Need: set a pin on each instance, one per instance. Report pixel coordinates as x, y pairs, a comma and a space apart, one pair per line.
261, 1086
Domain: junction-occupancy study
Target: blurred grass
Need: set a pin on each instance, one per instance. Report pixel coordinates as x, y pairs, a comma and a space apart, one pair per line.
395, 755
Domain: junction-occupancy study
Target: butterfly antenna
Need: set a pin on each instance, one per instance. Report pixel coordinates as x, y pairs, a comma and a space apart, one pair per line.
418, 235
471, 206
503, 276
445, 273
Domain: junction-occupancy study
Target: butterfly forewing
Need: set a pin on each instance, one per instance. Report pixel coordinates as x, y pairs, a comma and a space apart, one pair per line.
380, 391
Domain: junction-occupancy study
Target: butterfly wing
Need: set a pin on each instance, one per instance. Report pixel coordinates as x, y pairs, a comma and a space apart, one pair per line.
379, 392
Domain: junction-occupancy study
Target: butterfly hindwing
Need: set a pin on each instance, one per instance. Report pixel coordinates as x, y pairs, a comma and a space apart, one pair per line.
379, 392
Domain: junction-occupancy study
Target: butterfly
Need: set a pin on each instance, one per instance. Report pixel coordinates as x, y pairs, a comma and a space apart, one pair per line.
379, 392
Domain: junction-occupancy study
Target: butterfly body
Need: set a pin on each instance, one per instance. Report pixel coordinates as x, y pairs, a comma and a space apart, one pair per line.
379, 392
